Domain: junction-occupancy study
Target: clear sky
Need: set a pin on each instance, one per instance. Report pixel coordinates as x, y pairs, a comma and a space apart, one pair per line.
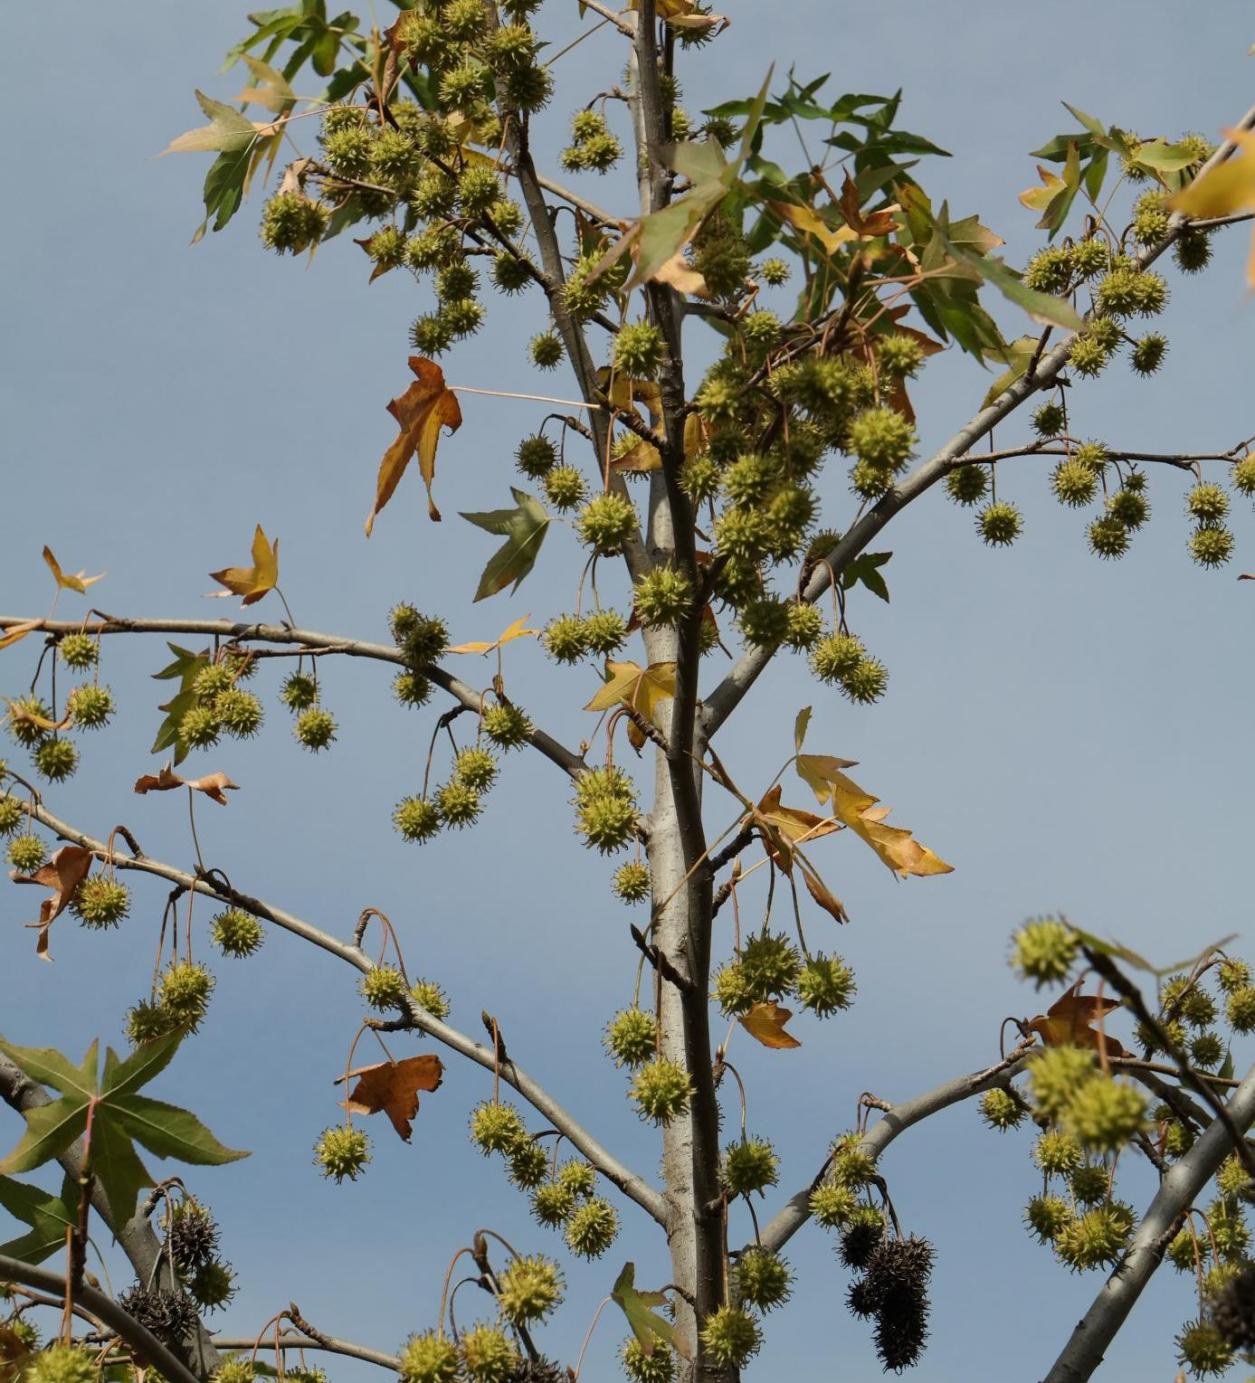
1070, 734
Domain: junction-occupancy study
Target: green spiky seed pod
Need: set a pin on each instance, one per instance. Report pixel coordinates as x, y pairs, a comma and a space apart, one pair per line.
552, 1204
656, 1367
462, 86
458, 803
869, 482
488, 1354
606, 522
1090, 1184
536, 456
764, 622
78, 651
721, 256
900, 356
836, 657
1126, 291
25, 731
429, 1358
762, 1279
1192, 1002
772, 965
146, 1022
742, 535
804, 625
1074, 483
528, 88
383, 987
476, 767
1049, 270
1044, 951
733, 990
506, 725
999, 524
1243, 475
750, 1165
1095, 1239
1233, 974
292, 222
638, 350
882, 438
1089, 257
239, 713
1207, 1050
565, 488
967, 485
529, 1289
184, 993
456, 280
299, 691
62, 1364
100, 902
90, 706
1178, 1139
527, 1164
1228, 1229
1211, 546
12, 814
1232, 1178
592, 1228
1129, 507
511, 273
1108, 537
55, 759
212, 1285
631, 882
774, 272
1106, 332
411, 688
512, 45
731, 1337
1103, 1115
386, 248
1187, 1251
851, 1163
631, 1037
1150, 218
662, 597
866, 683
1002, 1109
1049, 420
315, 728
1089, 357
661, 1090
200, 727
605, 631
1148, 353
546, 351
1207, 502
416, 818
1203, 1349
826, 985
428, 995
26, 853
496, 1127
579, 1178
832, 1205
761, 330
1047, 1217
605, 800
1192, 251
346, 151
237, 933
565, 639
1056, 1075
1056, 1154
462, 318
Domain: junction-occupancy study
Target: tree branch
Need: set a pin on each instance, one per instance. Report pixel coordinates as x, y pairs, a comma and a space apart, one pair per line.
1182, 1183
632, 1186
324, 1342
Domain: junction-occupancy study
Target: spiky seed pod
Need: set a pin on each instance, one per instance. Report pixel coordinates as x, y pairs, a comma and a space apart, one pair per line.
12, 813
749, 478
1211, 546
835, 658
1047, 1217
851, 1163
1207, 502
750, 1165
146, 1022
1089, 357
170, 1316
870, 482
865, 1229
545, 350
184, 993
1050, 270
1233, 974
213, 1285
1090, 1184
900, 356
496, 1127
579, 1177
1056, 1153
1192, 251
62, 1364
731, 1337
638, 350
743, 535
237, 933
90, 706
1002, 1109
347, 150
506, 725
315, 728
1178, 1138
488, 1354
511, 45
527, 1164
422, 638
662, 597
999, 524
606, 522
804, 625
1108, 537
1095, 1239
1074, 483
833, 1206
25, 731
733, 991
1150, 218
721, 255
1044, 951
1055, 1075
631, 1037
56, 759
456, 280
510, 273
592, 1228
476, 767
26, 1332
192, 1235
1203, 1349
1129, 507
239, 713
1232, 1179
605, 801
1103, 1115
100, 902
1049, 420
565, 639
528, 88
1233, 1309
826, 985
967, 485
1188, 1251
762, 1279
657, 1367
882, 438
411, 688
386, 248
630, 882
342, 1152
661, 1090
552, 1204
429, 1358
771, 964
292, 222
867, 682
1228, 1228
26, 853
436, 246
529, 1289
462, 318
1148, 353
383, 987
427, 994
78, 651
1089, 257
565, 488
299, 691
416, 818
1243, 475
431, 334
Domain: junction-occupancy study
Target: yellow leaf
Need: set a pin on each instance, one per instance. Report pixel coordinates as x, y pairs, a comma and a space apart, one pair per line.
816, 771
679, 274
78, 582
857, 809
809, 222
18, 631
425, 407
765, 1023
515, 631
251, 583
1227, 189
794, 824
1039, 198
625, 393
629, 684
644, 456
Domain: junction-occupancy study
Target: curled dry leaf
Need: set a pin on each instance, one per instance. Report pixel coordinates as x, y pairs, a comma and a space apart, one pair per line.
214, 785
1070, 1022
425, 407
765, 1023
517, 630
251, 583
79, 581
62, 874
393, 1087
18, 712
17, 631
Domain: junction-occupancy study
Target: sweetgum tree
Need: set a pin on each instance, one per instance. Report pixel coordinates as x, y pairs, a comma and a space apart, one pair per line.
727, 512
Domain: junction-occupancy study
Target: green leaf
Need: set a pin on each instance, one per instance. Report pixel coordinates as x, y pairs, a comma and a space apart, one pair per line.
117, 1166
699, 160
49, 1217
1095, 127
864, 569
1041, 307
1163, 157
47, 1066
1021, 350
50, 1129
185, 666
223, 193
647, 1325
145, 1062
227, 130
524, 529
168, 1131
1225, 1073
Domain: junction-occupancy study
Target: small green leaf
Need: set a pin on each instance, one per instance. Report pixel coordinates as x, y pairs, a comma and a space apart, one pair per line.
227, 130
647, 1325
47, 1066
1095, 127
48, 1216
50, 1129
145, 1062
185, 666
1022, 350
864, 570
168, 1131
524, 529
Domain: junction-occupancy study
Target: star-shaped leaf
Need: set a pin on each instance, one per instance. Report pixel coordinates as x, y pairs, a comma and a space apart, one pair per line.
62, 874
251, 583
765, 1023
523, 528
643, 689
421, 411
647, 1325
79, 581
47, 1215
185, 667
517, 630
393, 1087
1071, 1022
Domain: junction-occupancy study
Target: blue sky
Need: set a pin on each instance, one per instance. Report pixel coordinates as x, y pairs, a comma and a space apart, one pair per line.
1070, 734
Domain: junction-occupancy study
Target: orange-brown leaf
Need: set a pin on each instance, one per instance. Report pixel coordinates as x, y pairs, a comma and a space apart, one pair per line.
214, 785
425, 407
17, 631
393, 1087
79, 581
857, 809
765, 1023
251, 583
62, 874
1073, 1021
822, 894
